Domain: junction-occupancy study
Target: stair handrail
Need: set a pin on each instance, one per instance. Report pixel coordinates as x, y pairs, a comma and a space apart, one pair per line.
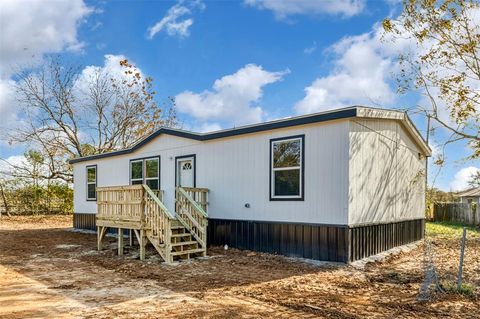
194, 203
158, 220
158, 201
192, 216
199, 195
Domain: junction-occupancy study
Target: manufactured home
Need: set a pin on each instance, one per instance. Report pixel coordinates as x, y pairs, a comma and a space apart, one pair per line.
469, 196
336, 186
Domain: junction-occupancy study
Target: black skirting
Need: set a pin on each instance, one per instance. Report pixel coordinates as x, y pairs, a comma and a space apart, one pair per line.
373, 239
84, 221
339, 243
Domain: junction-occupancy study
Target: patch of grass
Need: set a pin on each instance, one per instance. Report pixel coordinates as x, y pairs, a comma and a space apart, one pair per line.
451, 230
466, 289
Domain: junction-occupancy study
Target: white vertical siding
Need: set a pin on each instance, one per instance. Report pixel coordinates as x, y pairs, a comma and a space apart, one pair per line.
236, 170
114, 171
473, 199
386, 175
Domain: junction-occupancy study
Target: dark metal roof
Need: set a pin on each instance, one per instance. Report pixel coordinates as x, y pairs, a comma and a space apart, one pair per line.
294, 121
276, 124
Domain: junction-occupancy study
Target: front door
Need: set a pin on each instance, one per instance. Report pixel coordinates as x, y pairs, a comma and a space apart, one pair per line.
186, 172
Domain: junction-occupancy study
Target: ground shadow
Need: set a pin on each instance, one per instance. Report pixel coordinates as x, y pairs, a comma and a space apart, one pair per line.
68, 262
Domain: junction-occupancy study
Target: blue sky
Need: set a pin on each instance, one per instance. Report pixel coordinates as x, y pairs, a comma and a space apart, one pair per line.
227, 62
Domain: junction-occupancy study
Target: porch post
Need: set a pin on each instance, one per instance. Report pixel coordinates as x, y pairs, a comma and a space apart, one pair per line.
142, 244
120, 242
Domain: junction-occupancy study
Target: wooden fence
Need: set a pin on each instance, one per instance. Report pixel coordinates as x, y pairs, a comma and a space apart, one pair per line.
462, 213
43, 206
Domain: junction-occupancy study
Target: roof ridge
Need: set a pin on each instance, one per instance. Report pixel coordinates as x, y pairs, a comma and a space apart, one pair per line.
329, 115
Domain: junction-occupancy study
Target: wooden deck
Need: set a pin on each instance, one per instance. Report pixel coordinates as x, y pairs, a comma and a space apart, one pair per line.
141, 211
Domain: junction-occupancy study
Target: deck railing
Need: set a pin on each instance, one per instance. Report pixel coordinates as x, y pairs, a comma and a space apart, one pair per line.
120, 206
158, 223
139, 209
199, 195
136, 207
192, 215
158, 193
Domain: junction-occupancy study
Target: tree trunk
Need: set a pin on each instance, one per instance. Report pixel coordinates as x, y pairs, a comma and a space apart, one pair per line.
5, 202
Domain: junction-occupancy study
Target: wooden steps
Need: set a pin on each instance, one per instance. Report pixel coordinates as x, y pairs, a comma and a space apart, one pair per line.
181, 235
139, 209
182, 244
188, 252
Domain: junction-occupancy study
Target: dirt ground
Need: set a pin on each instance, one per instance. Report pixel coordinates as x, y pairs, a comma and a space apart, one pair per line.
49, 271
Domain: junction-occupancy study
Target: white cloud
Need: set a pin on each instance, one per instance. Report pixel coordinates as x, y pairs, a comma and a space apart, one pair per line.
31, 28
361, 73
175, 22
233, 99
16, 160
9, 110
436, 150
8, 104
207, 127
443, 107
283, 9
7, 164
10, 107
310, 49
111, 67
19, 162
460, 181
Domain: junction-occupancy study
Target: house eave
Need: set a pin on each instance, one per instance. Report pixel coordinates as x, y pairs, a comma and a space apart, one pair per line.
402, 117
289, 122
345, 113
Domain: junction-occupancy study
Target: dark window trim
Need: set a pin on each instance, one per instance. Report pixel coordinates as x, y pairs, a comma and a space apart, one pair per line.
302, 169
130, 169
194, 156
96, 179
143, 159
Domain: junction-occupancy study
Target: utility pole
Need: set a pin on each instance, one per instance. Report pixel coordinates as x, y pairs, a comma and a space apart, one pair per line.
426, 162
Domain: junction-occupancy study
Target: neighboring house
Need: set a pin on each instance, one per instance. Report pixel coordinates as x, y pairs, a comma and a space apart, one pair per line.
469, 196
338, 185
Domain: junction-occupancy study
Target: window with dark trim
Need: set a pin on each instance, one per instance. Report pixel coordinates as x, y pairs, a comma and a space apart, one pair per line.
92, 182
136, 172
286, 168
145, 171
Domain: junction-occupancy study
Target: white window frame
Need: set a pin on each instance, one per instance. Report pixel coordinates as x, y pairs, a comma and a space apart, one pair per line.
92, 183
300, 168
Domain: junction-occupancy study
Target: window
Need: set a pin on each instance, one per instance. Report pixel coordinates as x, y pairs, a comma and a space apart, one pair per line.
136, 172
286, 168
151, 173
92, 182
145, 171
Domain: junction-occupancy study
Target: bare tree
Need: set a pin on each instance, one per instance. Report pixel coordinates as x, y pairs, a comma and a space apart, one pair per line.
69, 113
444, 65
474, 180
3, 195
33, 170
